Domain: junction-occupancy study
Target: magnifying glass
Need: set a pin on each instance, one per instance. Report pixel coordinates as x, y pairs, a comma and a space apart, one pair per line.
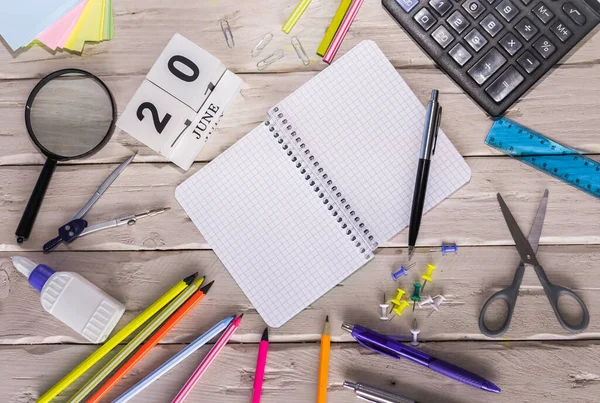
70, 114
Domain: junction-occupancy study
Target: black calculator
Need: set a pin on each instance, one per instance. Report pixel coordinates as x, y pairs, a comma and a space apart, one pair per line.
496, 50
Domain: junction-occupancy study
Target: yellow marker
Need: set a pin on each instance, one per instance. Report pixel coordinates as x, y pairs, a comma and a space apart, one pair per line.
295, 16
398, 300
116, 339
324, 364
427, 275
333, 27
398, 309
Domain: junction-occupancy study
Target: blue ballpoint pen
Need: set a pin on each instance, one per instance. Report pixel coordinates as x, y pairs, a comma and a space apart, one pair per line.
384, 345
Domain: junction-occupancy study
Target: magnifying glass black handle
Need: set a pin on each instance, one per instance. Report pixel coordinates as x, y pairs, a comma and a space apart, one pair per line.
35, 201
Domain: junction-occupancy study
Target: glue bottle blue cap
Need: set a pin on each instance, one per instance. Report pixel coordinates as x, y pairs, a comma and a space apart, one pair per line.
37, 274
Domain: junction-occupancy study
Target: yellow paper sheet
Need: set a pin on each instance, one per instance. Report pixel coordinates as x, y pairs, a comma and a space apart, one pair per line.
89, 28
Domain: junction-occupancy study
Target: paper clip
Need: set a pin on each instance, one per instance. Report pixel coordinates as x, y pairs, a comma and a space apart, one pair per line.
227, 33
300, 51
272, 58
261, 45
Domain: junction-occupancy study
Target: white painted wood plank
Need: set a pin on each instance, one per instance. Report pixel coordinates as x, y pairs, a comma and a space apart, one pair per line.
557, 107
142, 30
471, 216
467, 279
525, 371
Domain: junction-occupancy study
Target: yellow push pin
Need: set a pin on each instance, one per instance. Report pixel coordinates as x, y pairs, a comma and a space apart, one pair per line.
427, 275
399, 308
398, 299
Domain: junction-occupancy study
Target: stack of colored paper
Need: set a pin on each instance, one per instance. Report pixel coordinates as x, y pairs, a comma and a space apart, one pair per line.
64, 24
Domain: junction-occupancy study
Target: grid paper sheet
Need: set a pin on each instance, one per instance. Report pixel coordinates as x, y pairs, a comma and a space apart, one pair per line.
365, 126
268, 227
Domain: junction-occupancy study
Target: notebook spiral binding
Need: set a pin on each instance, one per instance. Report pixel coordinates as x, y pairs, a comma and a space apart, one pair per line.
308, 165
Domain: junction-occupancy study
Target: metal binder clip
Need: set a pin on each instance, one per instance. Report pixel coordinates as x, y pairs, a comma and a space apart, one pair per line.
227, 33
300, 51
272, 58
261, 45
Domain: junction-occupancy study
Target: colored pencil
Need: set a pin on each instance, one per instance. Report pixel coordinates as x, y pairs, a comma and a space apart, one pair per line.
116, 339
295, 16
139, 338
208, 360
333, 27
153, 341
324, 365
261, 362
342, 31
174, 361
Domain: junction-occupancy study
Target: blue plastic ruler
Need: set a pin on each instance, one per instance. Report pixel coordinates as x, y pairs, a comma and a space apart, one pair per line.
546, 155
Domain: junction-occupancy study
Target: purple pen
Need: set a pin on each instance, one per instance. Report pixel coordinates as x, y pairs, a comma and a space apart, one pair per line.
384, 345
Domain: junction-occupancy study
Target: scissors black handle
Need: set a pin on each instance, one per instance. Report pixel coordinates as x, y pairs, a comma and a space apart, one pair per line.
508, 295
553, 292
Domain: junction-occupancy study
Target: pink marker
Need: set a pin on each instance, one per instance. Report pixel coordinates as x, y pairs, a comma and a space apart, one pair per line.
342, 31
212, 354
261, 362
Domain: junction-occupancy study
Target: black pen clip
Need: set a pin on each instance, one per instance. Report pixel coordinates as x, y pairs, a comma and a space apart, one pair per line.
438, 123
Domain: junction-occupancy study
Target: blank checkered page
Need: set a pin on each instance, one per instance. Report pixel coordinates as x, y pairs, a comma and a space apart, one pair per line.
263, 217
365, 126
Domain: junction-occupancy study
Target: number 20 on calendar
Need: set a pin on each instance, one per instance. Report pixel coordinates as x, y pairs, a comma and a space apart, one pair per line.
171, 95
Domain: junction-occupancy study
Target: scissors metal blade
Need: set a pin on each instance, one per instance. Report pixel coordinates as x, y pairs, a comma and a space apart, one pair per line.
523, 246
535, 233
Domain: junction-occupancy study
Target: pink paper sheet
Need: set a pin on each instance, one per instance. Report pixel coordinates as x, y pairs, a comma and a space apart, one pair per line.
53, 36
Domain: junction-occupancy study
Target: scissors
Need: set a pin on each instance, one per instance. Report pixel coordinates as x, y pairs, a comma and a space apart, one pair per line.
526, 248
78, 227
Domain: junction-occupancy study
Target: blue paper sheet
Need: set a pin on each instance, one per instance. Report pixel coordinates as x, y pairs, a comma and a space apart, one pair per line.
22, 20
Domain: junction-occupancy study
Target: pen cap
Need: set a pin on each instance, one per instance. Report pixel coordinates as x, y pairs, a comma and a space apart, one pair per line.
37, 274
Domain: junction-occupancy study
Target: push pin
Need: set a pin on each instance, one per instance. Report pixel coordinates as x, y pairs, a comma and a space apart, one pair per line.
438, 301
384, 309
402, 272
416, 296
415, 331
427, 275
398, 309
398, 299
427, 301
449, 248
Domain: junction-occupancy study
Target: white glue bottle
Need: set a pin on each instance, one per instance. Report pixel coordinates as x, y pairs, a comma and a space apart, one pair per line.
73, 300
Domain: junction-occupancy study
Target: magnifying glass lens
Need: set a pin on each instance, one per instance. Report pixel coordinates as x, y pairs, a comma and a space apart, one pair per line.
71, 115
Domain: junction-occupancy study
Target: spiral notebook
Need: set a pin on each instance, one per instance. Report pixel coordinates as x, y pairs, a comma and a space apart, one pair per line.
304, 199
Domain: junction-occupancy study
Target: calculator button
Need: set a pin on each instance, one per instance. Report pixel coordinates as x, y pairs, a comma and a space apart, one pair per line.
561, 31
460, 54
407, 5
507, 10
526, 29
528, 62
491, 25
476, 40
487, 66
442, 36
441, 6
511, 44
544, 47
474, 8
458, 22
491, 1
526, 2
543, 13
501, 87
574, 13
425, 19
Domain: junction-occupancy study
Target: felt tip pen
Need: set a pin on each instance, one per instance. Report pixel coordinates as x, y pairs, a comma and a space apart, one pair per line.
430, 133
394, 349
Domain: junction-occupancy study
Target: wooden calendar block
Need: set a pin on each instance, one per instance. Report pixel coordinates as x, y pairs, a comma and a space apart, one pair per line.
186, 71
156, 118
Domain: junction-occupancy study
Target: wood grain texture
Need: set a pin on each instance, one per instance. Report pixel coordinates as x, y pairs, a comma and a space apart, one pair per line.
571, 90
464, 217
467, 279
526, 372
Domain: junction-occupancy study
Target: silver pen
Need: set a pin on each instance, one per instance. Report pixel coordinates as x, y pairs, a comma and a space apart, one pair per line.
374, 395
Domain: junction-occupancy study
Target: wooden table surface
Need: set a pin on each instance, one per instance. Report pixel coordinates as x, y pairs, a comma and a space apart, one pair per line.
535, 361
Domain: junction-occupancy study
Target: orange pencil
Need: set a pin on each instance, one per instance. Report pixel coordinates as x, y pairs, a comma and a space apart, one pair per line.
324, 365
153, 341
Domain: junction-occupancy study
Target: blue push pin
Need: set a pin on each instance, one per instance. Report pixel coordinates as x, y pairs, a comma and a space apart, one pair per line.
449, 248
401, 272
